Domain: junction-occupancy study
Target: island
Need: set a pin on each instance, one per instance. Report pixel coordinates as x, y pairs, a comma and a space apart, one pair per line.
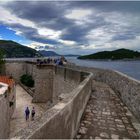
113, 55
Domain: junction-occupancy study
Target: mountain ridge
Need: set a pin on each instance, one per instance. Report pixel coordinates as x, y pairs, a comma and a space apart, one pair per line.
12, 49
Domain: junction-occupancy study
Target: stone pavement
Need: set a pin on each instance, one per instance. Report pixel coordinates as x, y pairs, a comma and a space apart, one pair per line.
106, 117
23, 99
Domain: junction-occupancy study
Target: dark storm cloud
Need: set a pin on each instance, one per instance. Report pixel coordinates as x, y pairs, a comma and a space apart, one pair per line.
129, 33
46, 14
109, 6
123, 37
78, 33
35, 10
52, 15
32, 34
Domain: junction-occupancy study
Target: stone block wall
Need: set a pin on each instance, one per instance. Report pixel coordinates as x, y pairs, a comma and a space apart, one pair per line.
127, 88
65, 115
64, 81
72, 75
68, 112
50, 82
4, 112
60, 71
60, 86
12, 99
18, 68
68, 74
15, 69
31, 69
43, 83
62, 120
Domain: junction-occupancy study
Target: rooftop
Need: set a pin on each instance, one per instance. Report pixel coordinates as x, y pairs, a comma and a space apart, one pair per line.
3, 88
7, 80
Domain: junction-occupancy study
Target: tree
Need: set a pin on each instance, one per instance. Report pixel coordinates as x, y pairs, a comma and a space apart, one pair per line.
2, 62
27, 80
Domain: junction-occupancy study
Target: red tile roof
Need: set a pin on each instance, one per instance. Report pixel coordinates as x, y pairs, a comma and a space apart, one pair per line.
7, 80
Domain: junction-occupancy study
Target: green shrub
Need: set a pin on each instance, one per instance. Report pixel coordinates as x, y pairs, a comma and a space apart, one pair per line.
27, 80
2, 62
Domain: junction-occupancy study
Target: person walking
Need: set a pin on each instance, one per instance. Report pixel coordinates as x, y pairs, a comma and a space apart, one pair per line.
33, 113
27, 113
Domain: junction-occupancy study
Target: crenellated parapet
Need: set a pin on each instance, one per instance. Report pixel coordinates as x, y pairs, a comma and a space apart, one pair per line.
68, 89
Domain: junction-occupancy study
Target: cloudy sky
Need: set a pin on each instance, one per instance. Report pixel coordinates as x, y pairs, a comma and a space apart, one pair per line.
72, 27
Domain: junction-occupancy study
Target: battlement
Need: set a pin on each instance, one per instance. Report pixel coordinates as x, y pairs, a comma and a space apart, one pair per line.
69, 89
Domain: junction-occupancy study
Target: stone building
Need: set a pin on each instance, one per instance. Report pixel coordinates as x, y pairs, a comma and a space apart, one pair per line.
7, 104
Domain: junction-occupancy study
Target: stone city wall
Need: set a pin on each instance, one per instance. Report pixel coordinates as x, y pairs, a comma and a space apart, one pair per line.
18, 68
127, 88
62, 120
65, 115
43, 83
65, 81
58, 81
4, 112
15, 69
12, 99
68, 74
31, 68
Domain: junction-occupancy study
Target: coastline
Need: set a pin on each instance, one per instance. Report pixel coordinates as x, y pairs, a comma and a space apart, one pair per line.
126, 59
92, 70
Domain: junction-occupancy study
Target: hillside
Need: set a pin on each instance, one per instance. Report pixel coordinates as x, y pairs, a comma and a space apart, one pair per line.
113, 55
12, 49
48, 53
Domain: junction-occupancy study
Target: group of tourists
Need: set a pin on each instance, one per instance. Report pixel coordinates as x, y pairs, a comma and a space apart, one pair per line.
27, 113
57, 61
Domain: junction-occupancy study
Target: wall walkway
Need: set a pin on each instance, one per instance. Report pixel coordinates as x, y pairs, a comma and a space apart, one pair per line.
107, 117
23, 99
127, 88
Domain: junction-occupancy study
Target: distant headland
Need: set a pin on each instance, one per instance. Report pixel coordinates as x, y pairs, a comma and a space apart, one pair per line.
120, 54
11, 49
